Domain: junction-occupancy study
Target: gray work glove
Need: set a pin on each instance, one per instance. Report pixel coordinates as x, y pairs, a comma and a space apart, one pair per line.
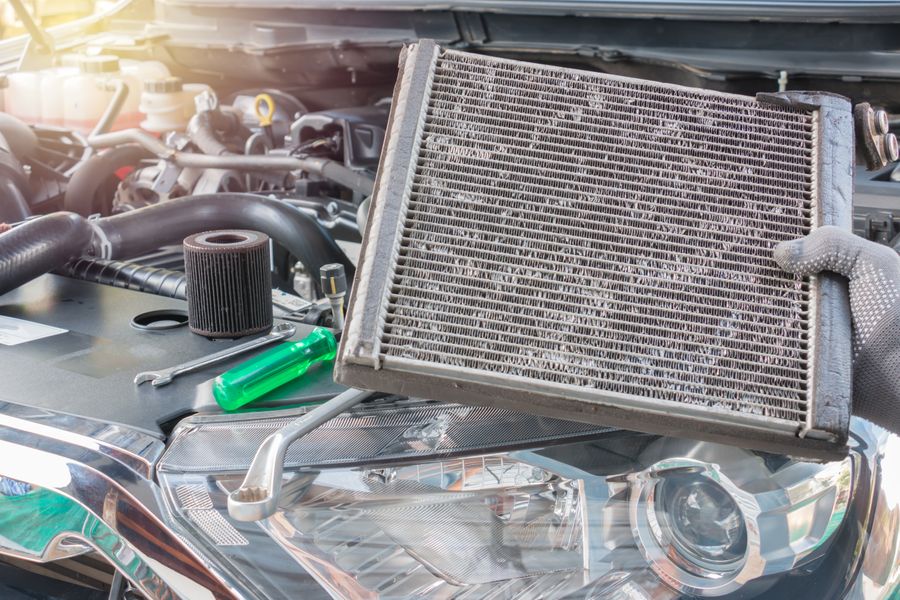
874, 274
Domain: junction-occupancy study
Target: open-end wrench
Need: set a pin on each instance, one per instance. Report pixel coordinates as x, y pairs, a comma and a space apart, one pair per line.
257, 498
164, 376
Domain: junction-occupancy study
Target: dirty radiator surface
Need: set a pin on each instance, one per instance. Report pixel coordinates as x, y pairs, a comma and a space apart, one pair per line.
575, 234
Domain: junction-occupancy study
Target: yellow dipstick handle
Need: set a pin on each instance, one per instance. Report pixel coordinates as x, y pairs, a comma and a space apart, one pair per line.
264, 107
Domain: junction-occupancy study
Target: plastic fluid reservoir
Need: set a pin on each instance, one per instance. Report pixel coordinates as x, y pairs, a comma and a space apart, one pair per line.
23, 95
137, 72
87, 94
52, 94
168, 104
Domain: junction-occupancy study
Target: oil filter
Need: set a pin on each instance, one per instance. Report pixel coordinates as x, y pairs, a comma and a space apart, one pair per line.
229, 283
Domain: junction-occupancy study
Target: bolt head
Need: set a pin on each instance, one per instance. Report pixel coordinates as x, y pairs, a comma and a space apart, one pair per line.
891, 147
882, 124
333, 209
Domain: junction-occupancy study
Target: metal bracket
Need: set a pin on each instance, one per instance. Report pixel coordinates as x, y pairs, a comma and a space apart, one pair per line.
874, 140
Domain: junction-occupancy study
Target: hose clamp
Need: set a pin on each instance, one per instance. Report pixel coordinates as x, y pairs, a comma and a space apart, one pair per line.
102, 242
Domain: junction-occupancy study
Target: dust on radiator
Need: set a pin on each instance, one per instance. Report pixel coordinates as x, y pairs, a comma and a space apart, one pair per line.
599, 248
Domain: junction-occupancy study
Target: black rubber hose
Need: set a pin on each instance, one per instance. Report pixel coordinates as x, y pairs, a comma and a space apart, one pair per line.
14, 188
49, 242
141, 231
204, 125
132, 276
338, 173
13, 205
23, 141
40, 245
203, 133
93, 175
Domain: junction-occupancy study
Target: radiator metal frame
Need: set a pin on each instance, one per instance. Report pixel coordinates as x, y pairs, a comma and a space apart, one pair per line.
359, 363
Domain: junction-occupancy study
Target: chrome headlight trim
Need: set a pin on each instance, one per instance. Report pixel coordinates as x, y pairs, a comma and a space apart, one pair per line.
99, 476
772, 492
379, 432
789, 515
100, 452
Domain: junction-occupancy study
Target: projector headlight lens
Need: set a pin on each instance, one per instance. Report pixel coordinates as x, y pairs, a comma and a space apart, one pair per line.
702, 521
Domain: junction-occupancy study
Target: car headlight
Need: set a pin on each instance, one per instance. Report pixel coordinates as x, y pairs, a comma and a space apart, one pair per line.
710, 519
402, 515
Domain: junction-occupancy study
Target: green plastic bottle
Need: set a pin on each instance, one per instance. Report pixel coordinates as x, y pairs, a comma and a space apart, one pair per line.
273, 368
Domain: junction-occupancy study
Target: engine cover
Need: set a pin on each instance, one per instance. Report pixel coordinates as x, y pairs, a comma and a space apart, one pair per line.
69, 346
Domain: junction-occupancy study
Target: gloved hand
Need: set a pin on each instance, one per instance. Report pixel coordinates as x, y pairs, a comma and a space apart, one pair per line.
874, 274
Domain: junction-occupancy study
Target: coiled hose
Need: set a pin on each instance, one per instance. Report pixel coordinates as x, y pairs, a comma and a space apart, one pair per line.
132, 276
49, 242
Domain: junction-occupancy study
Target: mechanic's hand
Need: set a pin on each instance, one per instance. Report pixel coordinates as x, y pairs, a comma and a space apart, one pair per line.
874, 274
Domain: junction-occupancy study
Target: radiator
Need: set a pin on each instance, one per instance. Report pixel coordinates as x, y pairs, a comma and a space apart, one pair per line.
599, 248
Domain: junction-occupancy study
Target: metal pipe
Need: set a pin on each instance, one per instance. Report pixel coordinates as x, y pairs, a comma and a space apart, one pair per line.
120, 95
323, 167
131, 136
241, 162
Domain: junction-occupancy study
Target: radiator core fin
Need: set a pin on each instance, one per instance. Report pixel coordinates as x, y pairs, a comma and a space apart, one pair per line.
597, 247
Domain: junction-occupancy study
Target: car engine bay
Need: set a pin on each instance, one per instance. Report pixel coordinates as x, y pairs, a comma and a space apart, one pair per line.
178, 156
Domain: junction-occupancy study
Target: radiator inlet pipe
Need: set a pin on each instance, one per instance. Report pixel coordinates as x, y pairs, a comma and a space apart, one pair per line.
13, 205
21, 139
203, 126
